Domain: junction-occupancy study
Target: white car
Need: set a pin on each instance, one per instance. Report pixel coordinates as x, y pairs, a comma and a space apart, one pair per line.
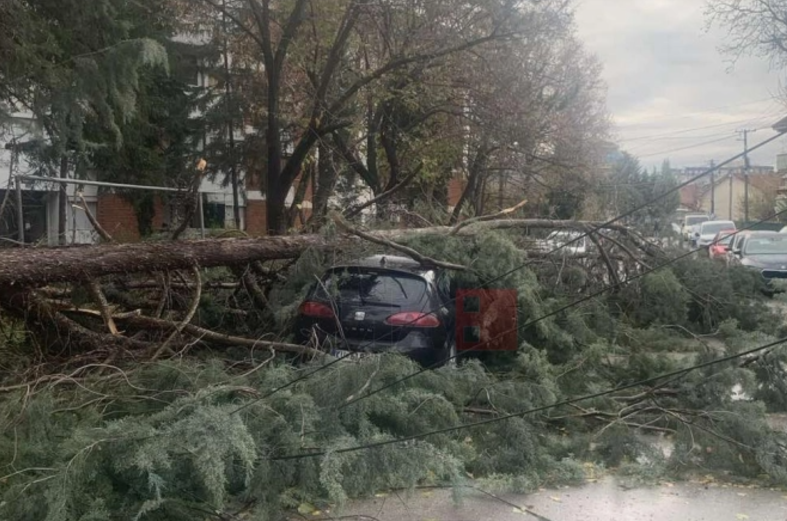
703, 237
691, 224
561, 240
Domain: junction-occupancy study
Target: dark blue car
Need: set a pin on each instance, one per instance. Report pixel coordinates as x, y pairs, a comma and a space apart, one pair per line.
380, 304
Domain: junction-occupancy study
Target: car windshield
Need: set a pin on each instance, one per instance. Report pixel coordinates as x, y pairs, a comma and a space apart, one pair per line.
372, 287
768, 245
696, 219
725, 237
714, 228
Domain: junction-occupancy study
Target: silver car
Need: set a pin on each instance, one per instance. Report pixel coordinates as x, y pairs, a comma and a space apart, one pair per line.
703, 237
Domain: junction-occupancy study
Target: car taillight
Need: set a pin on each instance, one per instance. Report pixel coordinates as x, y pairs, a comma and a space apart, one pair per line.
413, 319
316, 310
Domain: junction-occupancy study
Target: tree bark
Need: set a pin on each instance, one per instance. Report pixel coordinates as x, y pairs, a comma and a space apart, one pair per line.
326, 183
296, 208
38, 267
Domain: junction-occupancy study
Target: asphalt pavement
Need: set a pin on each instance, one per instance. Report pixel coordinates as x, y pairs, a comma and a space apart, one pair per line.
604, 500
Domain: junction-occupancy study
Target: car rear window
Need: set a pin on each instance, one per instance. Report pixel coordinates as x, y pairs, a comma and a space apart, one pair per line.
725, 237
372, 287
714, 228
690, 221
766, 245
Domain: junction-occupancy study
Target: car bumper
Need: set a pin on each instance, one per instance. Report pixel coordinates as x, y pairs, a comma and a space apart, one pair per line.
418, 347
775, 279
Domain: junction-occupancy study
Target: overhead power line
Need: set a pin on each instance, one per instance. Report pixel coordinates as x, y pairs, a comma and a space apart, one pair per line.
670, 151
701, 112
464, 426
748, 121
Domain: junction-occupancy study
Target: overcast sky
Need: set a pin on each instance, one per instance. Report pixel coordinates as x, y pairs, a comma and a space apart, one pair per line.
671, 93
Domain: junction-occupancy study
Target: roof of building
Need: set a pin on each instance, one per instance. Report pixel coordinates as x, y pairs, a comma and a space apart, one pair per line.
689, 196
761, 182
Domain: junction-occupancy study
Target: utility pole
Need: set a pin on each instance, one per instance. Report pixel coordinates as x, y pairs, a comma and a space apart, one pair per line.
713, 188
731, 190
746, 167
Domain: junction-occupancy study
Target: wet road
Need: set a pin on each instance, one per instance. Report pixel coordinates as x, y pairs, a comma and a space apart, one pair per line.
601, 501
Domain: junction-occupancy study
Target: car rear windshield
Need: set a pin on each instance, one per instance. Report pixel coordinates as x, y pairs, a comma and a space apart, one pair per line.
725, 237
714, 228
773, 245
372, 287
690, 221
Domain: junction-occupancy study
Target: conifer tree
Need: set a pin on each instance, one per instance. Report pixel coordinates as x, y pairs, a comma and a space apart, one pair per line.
74, 62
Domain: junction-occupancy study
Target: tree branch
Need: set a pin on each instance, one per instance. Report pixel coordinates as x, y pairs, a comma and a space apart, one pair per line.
484, 218
189, 315
103, 306
343, 225
93, 221
352, 212
218, 338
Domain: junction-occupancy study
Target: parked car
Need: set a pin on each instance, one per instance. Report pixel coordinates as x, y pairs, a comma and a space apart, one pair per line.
690, 223
703, 237
561, 240
721, 245
766, 253
740, 239
381, 304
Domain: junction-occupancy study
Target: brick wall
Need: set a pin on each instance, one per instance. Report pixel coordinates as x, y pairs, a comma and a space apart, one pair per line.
256, 219
117, 217
455, 188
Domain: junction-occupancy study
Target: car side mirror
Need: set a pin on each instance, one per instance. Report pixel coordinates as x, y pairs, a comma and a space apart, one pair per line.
736, 252
696, 234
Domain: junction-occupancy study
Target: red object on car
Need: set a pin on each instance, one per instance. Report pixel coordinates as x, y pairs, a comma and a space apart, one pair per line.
721, 244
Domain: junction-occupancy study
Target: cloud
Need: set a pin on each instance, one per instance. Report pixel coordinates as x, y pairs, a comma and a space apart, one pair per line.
671, 93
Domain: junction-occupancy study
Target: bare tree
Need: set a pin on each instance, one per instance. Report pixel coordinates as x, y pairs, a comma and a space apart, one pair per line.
754, 27
310, 51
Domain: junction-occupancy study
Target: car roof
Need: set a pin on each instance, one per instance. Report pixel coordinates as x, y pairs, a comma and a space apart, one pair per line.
718, 222
390, 262
746, 233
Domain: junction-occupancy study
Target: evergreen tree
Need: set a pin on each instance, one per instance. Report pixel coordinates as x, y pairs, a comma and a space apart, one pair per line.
75, 62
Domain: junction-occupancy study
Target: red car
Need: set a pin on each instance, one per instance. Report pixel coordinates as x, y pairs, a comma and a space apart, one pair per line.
721, 245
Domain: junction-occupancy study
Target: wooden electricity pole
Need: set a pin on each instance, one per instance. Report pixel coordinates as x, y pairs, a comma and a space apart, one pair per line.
746, 167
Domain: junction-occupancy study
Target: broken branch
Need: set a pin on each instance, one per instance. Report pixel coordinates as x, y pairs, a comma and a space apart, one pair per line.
484, 218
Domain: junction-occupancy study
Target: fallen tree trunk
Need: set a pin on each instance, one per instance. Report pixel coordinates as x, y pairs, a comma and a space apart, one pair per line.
38, 267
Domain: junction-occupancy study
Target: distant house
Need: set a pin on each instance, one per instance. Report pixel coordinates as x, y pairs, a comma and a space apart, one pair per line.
726, 195
690, 198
